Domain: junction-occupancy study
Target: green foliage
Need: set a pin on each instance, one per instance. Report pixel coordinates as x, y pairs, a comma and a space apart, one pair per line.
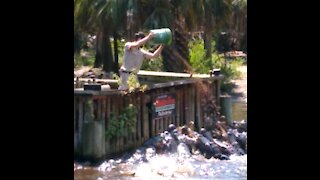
155, 64
228, 67
122, 124
201, 64
85, 58
133, 83
116, 77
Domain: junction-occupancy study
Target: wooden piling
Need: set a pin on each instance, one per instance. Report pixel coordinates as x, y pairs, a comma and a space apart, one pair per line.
226, 108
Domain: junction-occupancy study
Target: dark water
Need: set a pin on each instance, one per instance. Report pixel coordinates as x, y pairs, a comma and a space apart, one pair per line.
239, 110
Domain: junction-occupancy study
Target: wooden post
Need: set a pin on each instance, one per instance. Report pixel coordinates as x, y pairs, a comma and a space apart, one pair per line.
88, 110
93, 146
178, 106
186, 105
139, 117
107, 120
217, 87
199, 119
80, 122
75, 131
102, 130
93, 134
192, 98
145, 116
226, 107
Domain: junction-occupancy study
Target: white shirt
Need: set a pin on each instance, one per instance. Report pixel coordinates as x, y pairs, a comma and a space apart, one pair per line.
132, 58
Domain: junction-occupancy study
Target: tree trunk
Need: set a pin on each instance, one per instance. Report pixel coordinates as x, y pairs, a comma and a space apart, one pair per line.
116, 54
107, 53
98, 60
104, 54
207, 42
176, 56
77, 43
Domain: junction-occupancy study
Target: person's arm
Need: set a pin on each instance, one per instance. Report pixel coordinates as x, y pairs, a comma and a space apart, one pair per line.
156, 53
142, 41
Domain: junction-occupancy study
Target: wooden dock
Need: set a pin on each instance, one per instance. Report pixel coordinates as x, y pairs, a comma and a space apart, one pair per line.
177, 101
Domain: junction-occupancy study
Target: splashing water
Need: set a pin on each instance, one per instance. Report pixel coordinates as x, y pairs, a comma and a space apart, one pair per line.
168, 166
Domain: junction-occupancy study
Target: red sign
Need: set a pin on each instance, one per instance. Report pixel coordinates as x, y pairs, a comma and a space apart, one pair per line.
164, 105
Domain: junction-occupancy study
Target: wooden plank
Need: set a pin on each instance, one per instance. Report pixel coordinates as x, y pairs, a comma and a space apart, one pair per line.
167, 123
108, 109
192, 102
171, 74
115, 110
178, 108
133, 135
145, 117
153, 120
199, 119
217, 96
185, 104
105, 120
81, 91
126, 139
164, 124
139, 118
160, 127
75, 129
151, 73
182, 112
157, 122
74, 114
121, 107
106, 125
103, 110
80, 118
109, 146
88, 109
97, 80
99, 110
173, 90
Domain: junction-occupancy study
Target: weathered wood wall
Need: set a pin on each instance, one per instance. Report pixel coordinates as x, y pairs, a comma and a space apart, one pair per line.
92, 111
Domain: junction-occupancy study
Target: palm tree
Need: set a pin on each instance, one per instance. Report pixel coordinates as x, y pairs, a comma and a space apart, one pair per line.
215, 13
239, 23
83, 23
116, 15
171, 14
106, 18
